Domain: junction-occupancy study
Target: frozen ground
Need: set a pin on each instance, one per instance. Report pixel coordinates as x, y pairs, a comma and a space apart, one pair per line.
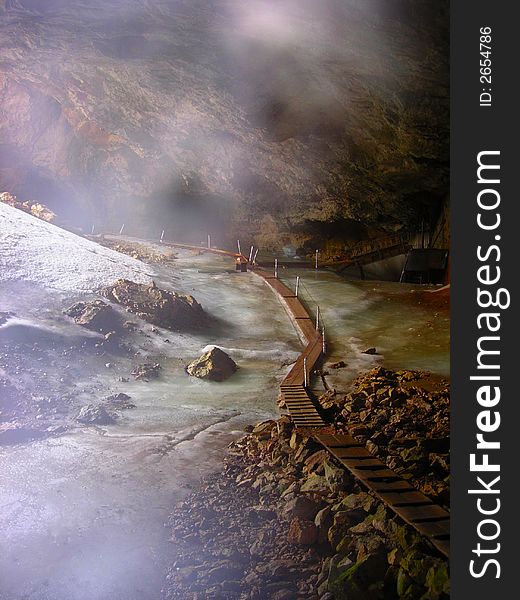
34, 251
82, 515
358, 315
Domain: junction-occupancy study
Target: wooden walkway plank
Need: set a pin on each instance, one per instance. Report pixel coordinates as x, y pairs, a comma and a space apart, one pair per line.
414, 507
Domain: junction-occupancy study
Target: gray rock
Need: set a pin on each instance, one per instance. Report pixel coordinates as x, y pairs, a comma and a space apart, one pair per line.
360, 500
337, 478
301, 507
315, 483
96, 315
95, 415
323, 521
119, 401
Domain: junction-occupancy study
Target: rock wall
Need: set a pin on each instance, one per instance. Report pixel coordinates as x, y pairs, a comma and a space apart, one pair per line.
273, 119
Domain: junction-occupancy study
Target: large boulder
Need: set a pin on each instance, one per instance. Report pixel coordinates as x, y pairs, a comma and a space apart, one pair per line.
159, 307
214, 365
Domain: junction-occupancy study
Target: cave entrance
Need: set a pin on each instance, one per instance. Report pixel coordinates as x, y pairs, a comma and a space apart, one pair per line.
189, 218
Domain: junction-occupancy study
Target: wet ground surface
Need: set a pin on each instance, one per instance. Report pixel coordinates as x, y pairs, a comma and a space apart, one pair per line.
408, 327
83, 512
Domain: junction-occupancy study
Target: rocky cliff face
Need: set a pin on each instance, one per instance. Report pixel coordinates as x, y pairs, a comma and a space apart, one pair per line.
284, 120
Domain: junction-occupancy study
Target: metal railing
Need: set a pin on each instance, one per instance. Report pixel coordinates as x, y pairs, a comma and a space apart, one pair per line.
374, 245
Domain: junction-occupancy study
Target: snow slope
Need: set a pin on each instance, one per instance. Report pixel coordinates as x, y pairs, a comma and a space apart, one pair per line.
34, 251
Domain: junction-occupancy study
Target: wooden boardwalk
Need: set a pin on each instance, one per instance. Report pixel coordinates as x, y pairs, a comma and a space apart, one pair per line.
411, 505
204, 249
294, 389
414, 507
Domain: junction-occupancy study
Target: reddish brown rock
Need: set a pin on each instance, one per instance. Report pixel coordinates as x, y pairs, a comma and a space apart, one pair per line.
302, 532
301, 507
159, 307
166, 107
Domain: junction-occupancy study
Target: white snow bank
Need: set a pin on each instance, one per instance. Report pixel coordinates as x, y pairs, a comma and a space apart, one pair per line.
35, 251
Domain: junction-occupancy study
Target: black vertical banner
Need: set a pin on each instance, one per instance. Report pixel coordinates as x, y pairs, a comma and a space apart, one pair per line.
485, 243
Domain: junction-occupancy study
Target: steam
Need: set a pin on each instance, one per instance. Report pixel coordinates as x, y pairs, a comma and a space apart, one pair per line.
189, 115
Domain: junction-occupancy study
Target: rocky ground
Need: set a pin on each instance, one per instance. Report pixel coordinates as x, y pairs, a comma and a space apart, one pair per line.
138, 251
36, 209
404, 419
284, 520
38, 394
43, 388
